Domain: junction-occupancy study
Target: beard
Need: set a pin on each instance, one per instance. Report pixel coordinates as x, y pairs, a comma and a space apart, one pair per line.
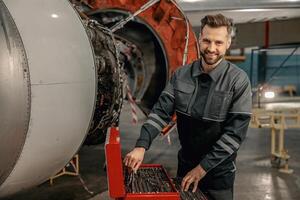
208, 60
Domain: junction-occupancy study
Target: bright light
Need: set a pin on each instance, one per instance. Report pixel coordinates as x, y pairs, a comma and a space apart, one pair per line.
54, 15
269, 94
252, 10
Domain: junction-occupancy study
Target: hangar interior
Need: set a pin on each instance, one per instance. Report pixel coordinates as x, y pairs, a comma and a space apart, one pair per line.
87, 65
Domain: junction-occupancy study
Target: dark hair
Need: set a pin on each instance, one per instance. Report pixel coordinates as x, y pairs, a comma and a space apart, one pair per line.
216, 21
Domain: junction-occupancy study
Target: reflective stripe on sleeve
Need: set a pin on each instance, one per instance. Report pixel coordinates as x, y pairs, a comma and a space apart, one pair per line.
155, 116
155, 124
231, 141
169, 94
225, 147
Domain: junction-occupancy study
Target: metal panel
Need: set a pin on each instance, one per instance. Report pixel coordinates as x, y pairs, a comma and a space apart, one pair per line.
62, 74
14, 94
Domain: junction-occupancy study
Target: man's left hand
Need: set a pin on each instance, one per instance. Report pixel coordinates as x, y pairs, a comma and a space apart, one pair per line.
194, 176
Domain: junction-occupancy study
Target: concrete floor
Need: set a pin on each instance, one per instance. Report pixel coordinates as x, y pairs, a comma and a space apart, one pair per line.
255, 178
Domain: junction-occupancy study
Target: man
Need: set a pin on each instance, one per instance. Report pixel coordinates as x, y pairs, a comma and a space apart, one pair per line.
212, 101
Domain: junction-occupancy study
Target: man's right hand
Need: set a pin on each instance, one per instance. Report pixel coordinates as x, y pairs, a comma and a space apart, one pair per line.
135, 158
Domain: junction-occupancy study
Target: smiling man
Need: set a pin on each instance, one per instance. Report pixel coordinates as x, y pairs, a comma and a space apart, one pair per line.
212, 101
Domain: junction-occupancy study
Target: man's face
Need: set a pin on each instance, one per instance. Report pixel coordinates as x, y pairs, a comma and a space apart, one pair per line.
213, 44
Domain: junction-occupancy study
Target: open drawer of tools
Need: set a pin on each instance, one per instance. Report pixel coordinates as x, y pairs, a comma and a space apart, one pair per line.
149, 182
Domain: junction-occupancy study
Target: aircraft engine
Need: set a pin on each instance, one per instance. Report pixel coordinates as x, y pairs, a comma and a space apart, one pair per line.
61, 75
154, 38
59, 79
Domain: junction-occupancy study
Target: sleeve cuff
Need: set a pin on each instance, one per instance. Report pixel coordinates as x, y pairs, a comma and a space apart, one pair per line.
142, 143
206, 165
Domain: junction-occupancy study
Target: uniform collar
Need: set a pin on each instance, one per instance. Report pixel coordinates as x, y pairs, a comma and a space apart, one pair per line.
214, 74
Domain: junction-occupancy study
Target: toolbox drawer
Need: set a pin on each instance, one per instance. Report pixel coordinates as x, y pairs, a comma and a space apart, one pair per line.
151, 182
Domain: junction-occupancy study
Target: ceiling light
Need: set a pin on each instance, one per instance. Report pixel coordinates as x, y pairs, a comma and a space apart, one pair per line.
54, 15
252, 10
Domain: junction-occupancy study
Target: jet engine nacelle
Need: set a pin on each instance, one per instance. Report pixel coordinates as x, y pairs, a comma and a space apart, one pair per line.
61, 76
47, 90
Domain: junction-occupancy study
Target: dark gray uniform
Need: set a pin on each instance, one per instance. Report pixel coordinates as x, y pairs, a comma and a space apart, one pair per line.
213, 112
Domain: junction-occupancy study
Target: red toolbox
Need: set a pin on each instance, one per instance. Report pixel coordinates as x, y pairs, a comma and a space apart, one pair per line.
151, 182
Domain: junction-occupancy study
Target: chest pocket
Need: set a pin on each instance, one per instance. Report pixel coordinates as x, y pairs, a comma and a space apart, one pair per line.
219, 105
183, 93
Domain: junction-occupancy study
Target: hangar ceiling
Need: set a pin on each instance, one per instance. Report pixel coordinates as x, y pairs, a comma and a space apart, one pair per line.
242, 11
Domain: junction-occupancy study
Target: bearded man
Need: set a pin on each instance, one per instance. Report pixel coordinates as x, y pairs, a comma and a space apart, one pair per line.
212, 101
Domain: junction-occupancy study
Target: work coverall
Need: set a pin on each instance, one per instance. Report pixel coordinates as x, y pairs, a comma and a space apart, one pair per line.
213, 113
